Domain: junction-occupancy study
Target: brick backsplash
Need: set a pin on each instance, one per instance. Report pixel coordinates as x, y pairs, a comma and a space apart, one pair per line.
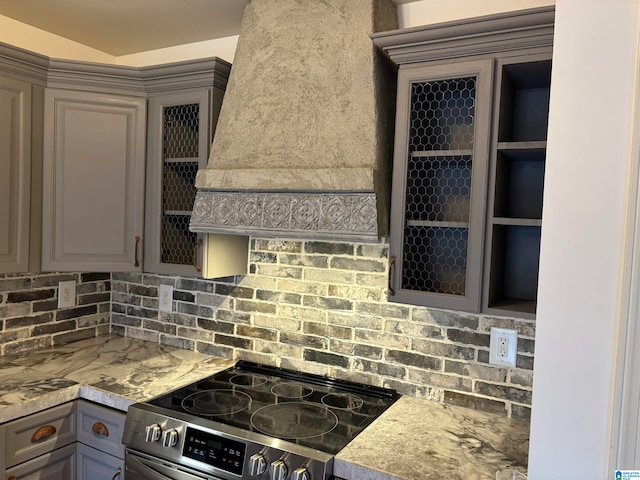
322, 307
30, 317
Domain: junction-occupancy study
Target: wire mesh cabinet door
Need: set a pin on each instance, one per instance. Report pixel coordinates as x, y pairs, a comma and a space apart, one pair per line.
180, 135
439, 184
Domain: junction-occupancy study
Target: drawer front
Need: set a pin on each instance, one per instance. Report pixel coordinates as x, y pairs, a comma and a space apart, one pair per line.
57, 465
101, 428
40, 433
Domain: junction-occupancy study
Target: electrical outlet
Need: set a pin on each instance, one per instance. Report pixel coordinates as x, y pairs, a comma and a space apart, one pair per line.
503, 347
165, 298
67, 294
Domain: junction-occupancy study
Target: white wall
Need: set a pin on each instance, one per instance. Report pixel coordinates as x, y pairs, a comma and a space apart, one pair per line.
426, 12
593, 92
30, 38
54, 46
224, 48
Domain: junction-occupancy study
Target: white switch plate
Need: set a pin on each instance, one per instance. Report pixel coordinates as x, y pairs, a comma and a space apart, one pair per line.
67, 294
503, 347
165, 298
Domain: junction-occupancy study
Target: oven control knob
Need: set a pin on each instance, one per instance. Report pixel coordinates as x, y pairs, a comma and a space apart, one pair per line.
169, 438
278, 470
257, 464
301, 474
152, 433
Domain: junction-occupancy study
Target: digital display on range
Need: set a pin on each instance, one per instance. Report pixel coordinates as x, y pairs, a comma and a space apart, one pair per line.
214, 450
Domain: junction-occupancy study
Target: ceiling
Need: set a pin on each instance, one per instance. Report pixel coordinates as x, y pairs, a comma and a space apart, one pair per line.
122, 27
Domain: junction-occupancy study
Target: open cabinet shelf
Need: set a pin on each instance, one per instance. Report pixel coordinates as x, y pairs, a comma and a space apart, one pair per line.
517, 181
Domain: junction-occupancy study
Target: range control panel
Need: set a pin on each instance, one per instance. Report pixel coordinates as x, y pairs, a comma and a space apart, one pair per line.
214, 450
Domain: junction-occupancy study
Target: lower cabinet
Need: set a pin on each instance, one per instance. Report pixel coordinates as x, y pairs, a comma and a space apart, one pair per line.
57, 465
94, 464
75, 441
100, 449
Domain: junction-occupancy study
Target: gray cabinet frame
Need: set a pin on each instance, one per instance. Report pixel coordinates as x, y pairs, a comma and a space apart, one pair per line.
482, 72
441, 51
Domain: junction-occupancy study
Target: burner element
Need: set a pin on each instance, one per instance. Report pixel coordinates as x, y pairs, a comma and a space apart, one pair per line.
216, 402
248, 380
342, 401
291, 390
294, 420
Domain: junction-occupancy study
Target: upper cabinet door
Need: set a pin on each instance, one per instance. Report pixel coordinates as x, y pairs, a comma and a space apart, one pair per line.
439, 184
93, 181
15, 175
179, 137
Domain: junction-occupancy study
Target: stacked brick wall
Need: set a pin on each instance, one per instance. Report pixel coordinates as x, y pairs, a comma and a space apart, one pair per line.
322, 307
30, 317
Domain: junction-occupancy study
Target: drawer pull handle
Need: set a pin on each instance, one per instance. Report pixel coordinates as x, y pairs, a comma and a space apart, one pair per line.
42, 433
136, 263
117, 474
12, 477
195, 256
101, 429
392, 263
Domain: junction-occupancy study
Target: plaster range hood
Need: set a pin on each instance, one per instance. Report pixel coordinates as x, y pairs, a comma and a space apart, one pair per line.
304, 140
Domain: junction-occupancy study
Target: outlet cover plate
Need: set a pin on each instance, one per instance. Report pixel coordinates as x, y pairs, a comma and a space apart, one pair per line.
165, 298
67, 294
503, 347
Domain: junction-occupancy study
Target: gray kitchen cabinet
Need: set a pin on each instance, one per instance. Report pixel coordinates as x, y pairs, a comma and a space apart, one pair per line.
93, 181
15, 174
180, 131
96, 465
516, 184
468, 171
100, 449
440, 168
41, 445
20, 176
57, 465
184, 103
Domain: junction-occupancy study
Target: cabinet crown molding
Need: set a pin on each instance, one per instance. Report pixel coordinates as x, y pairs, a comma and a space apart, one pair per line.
487, 35
101, 77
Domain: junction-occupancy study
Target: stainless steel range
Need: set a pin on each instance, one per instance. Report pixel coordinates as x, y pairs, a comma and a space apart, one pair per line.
249, 421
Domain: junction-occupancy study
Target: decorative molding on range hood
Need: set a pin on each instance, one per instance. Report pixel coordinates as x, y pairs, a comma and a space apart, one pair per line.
302, 215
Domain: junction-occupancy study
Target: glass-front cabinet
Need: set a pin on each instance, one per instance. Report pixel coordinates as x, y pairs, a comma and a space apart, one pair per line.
469, 161
440, 168
180, 135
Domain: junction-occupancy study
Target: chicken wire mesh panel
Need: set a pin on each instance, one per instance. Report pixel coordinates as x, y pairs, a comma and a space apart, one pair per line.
442, 114
180, 154
180, 132
435, 260
438, 189
178, 241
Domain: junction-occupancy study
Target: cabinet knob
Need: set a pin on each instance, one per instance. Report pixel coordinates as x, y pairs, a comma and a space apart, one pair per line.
42, 433
195, 255
11, 477
101, 429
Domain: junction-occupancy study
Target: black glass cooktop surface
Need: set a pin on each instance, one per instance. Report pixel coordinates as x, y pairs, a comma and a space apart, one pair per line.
310, 410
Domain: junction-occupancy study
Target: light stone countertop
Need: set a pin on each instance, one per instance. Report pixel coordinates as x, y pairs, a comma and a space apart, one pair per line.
111, 370
414, 439
418, 439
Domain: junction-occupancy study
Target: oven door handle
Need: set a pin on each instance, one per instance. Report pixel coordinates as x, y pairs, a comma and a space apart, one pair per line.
147, 469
